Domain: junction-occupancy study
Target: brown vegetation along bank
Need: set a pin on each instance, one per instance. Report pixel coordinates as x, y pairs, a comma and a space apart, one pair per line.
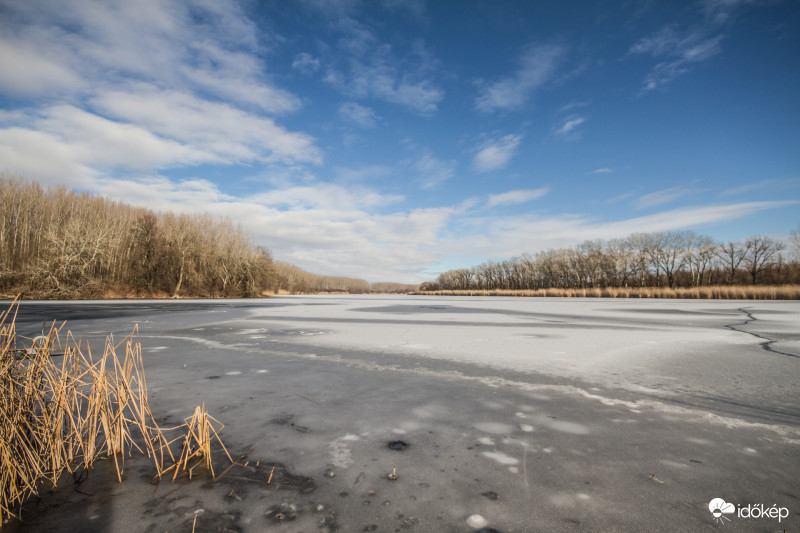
63, 409
60, 244
719, 292
57, 243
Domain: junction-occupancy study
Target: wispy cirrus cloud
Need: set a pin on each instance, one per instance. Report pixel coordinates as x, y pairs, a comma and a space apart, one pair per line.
537, 65
661, 197
568, 127
433, 171
494, 154
764, 185
602, 170
519, 196
363, 66
379, 74
306, 63
359, 115
681, 47
679, 51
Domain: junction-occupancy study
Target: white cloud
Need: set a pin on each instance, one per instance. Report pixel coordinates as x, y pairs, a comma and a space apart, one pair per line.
365, 173
764, 185
536, 67
604, 170
496, 153
519, 196
365, 68
432, 171
139, 87
306, 63
678, 51
663, 196
381, 76
325, 196
236, 76
569, 125
29, 72
359, 115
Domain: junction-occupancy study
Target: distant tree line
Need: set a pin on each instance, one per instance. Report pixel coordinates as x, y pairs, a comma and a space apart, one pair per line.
665, 259
57, 243
293, 279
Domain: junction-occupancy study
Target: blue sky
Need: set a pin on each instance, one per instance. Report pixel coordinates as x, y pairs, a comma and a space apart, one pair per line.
394, 139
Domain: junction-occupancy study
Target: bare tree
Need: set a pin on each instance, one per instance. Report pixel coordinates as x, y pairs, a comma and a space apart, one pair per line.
759, 254
731, 255
794, 239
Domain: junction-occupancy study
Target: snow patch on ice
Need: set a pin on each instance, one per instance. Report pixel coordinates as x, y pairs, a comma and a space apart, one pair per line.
232, 373
476, 521
527, 428
486, 441
495, 428
501, 458
341, 456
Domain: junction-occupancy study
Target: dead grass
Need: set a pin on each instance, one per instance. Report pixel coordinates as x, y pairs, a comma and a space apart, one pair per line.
719, 292
61, 416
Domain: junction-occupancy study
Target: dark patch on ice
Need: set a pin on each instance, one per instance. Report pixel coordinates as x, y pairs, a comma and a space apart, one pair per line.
397, 445
491, 495
287, 421
282, 478
695, 461
488, 530
283, 512
213, 377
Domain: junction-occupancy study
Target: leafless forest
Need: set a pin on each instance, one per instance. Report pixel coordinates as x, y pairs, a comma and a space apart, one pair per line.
63, 244
664, 260
57, 243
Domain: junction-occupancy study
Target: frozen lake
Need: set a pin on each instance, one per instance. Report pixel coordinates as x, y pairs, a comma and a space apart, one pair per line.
519, 414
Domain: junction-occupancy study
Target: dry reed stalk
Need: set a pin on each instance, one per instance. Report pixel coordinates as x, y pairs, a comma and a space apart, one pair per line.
62, 417
197, 443
721, 292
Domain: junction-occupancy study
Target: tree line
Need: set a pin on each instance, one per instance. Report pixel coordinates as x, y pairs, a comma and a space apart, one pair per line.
664, 259
58, 243
293, 279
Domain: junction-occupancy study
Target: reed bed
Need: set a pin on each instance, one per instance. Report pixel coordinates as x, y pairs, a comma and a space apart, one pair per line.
719, 292
61, 416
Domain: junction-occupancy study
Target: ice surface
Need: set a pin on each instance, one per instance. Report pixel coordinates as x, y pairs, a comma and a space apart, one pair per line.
519, 414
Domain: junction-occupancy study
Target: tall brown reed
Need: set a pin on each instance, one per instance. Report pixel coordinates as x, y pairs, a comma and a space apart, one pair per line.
62, 417
719, 292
